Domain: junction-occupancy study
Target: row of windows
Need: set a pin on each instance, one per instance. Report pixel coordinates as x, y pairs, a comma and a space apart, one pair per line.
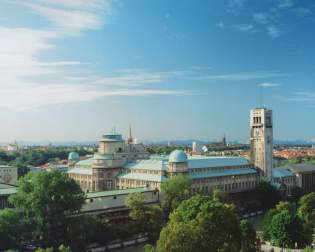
227, 187
222, 168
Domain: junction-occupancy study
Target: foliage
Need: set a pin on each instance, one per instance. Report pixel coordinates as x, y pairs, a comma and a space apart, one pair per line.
147, 218
248, 236
176, 190
162, 150
9, 229
36, 157
308, 249
281, 226
296, 193
149, 248
267, 195
306, 209
61, 248
201, 224
45, 200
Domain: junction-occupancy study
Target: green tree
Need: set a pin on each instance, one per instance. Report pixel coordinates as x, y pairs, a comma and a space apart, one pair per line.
201, 224
267, 195
9, 230
175, 190
248, 235
45, 200
147, 218
279, 228
306, 210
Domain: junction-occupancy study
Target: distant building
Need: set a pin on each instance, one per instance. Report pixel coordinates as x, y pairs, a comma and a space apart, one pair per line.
13, 147
301, 175
261, 141
121, 165
5, 192
8, 175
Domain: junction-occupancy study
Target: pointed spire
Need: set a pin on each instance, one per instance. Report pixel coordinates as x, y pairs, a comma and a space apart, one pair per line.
130, 139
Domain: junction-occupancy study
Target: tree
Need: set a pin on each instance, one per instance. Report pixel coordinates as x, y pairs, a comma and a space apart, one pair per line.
248, 235
9, 230
45, 200
176, 190
306, 209
267, 195
279, 229
201, 224
281, 226
147, 218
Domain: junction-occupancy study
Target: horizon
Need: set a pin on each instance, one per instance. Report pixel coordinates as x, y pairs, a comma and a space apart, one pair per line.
72, 70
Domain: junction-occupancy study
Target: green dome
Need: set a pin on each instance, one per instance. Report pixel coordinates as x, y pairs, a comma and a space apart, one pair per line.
73, 156
177, 156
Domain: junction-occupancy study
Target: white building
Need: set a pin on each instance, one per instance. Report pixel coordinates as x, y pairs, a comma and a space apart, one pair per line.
8, 175
261, 141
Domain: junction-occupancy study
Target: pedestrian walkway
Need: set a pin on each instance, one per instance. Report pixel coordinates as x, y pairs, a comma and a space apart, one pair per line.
267, 248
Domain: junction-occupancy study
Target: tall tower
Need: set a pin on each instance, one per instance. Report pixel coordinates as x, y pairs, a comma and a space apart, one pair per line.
261, 140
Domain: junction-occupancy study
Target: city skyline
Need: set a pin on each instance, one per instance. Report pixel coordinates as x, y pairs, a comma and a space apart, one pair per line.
72, 69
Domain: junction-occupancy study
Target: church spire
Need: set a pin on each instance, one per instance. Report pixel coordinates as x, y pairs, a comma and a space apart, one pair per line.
130, 139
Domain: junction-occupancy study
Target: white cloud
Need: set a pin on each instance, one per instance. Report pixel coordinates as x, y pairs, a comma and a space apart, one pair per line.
32, 96
243, 76
302, 12
303, 97
273, 31
71, 15
243, 27
261, 18
28, 82
268, 84
221, 25
283, 4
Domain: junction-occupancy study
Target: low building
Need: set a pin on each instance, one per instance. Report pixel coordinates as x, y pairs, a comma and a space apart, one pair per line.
111, 205
301, 175
8, 175
5, 192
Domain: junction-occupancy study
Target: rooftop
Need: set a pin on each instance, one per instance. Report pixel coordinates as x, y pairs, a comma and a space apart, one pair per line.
79, 170
117, 192
235, 172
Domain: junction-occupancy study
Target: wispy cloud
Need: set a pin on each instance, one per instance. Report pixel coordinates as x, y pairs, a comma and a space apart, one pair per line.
243, 27
283, 4
243, 76
71, 15
303, 97
273, 31
302, 11
268, 84
262, 18
23, 98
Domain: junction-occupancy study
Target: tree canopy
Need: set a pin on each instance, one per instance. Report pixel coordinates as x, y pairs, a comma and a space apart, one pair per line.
45, 201
306, 210
175, 190
9, 230
147, 218
201, 224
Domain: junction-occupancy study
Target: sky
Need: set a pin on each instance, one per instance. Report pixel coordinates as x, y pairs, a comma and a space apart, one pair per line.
75, 69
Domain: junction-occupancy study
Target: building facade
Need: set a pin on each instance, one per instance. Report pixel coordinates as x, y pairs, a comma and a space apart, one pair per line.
261, 141
8, 175
124, 165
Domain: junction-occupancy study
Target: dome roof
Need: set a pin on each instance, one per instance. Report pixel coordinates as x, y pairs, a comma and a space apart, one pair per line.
73, 156
177, 156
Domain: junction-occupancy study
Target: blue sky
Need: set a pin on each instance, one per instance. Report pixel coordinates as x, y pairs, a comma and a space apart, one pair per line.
74, 69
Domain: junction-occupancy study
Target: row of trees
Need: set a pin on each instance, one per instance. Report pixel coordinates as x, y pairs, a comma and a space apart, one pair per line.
36, 157
288, 226
46, 215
